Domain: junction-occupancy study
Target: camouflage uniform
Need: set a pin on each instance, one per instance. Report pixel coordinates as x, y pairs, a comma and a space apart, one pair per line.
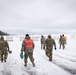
49, 46
27, 53
61, 42
4, 49
42, 42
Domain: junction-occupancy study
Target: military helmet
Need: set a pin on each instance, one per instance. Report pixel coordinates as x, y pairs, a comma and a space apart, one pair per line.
41, 35
2, 38
49, 36
63, 35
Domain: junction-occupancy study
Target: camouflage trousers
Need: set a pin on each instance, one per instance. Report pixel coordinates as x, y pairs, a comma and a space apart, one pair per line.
63, 45
42, 46
0, 55
28, 53
3, 55
49, 53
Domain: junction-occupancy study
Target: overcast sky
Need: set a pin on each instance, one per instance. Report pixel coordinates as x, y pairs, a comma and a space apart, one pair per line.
37, 15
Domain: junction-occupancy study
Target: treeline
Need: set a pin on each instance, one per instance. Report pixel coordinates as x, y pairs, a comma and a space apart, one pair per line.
3, 33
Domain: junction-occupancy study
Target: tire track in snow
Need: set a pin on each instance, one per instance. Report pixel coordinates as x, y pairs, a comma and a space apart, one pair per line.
67, 69
65, 58
72, 71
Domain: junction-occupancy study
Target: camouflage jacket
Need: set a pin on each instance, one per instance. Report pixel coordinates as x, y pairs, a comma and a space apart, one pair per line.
4, 45
49, 43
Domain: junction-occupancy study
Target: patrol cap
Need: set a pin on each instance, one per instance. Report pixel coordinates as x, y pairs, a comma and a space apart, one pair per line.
27, 35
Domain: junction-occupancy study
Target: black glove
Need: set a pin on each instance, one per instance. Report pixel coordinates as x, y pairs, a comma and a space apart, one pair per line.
10, 52
55, 48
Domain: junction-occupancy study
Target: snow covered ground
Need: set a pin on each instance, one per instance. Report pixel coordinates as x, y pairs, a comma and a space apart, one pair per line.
64, 61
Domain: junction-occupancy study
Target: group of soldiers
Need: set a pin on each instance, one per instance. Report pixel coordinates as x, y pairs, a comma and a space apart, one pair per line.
28, 47
62, 41
48, 43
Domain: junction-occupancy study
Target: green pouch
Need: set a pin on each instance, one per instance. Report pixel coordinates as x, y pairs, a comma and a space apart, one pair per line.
21, 55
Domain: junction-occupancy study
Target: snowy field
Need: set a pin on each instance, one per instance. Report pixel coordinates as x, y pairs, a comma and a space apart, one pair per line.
64, 61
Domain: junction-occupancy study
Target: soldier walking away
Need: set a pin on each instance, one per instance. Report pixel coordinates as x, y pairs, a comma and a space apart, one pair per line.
61, 42
42, 42
27, 48
4, 49
49, 46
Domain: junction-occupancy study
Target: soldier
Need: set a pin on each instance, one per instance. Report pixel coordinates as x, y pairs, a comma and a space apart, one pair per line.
4, 49
61, 42
42, 42
49, 46
27, 48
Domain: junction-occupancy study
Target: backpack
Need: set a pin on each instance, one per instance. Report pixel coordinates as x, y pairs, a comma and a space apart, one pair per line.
64, 38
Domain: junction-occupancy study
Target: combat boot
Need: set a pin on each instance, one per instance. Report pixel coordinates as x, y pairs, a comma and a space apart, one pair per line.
1, 60
50, 59
33, 64
25, 65
4, 60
